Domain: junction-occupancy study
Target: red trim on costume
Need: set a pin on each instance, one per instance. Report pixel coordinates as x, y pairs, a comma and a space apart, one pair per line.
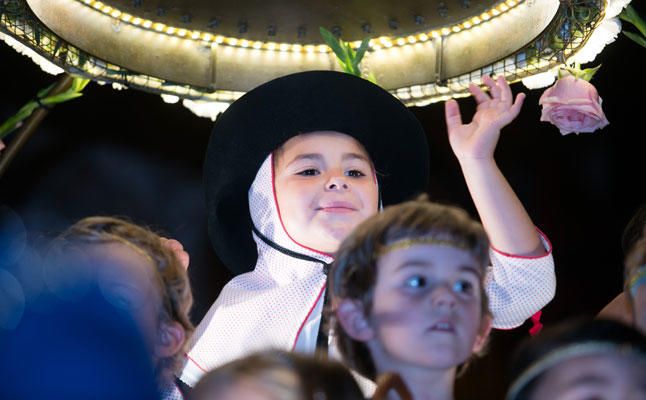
280, 217
537, 326
195, 362
543, 236
300, 329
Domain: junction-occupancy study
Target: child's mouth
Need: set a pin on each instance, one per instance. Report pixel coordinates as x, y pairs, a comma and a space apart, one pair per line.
442, 326
337, 207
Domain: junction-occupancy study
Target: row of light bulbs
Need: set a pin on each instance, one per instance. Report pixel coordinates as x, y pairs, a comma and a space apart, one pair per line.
375, 43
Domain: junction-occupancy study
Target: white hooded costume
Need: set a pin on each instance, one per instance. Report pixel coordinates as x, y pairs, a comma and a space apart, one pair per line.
279, 304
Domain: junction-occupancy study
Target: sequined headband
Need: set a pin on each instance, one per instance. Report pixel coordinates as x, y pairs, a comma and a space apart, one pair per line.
410, 242
636, 279
131, 245
565, 353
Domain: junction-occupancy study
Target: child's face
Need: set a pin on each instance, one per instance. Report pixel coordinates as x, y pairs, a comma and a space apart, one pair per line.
594, 377
128, 282
426, 308
325, 186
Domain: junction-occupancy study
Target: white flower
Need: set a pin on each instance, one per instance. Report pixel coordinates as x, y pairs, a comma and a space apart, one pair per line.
169, 98
605, 34
208, 109
41, 61
541, 80
615, 7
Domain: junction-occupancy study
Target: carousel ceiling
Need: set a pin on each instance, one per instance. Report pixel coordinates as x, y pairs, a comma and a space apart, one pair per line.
210, 51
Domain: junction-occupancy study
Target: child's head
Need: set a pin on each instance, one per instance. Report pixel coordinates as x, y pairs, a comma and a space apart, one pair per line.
407, 288
136, 271
324, 116
277, 375
635, 282
325, 186
581, 359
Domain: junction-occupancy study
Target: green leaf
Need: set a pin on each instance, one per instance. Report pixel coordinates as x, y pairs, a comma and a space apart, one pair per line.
577, 72
60, 98
78, 83
636, 38
349, 60
629, 14
43, 92
361, 51
14, 121
588, 73
334, 44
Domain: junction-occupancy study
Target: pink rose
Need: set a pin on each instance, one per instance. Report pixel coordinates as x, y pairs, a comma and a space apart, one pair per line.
573, 105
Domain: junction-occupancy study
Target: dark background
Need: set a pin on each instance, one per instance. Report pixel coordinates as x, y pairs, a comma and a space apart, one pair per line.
127, 153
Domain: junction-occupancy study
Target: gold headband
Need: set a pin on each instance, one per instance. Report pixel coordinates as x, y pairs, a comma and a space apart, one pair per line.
637, 278
408, 242
565, 353
133, 246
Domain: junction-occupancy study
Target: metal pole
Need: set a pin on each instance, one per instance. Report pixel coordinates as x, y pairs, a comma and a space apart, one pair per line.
29, 126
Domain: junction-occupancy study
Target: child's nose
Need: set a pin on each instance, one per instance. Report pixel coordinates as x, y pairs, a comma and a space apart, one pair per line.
443, 296
337, 182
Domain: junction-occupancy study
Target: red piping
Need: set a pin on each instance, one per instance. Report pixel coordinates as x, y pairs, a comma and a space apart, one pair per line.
280, 218
543, 236
308, 316
195, 362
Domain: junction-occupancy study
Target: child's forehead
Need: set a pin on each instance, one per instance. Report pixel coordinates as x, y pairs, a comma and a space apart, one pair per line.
316, 138
401, 255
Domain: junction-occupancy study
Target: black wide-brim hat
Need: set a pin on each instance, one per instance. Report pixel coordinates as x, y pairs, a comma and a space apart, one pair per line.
267, 116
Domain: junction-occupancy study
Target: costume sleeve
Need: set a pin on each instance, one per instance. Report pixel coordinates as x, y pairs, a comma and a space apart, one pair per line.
518, 287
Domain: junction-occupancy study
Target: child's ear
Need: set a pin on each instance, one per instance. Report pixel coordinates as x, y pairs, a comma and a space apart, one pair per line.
170, 340
483, 335
353, 320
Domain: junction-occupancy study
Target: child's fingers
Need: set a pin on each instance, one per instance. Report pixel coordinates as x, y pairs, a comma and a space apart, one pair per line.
452, 114
478, 94
493, 87
178, 249
515, 108
505, 91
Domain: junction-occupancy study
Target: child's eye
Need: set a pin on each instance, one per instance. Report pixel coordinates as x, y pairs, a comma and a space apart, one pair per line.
308, 172
355, 173
463, 287
415, 282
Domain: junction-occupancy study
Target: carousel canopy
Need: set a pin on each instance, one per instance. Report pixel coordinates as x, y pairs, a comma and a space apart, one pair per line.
207, 51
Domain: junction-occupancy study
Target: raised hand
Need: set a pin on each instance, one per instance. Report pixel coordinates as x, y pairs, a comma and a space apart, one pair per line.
478, 139
178, 249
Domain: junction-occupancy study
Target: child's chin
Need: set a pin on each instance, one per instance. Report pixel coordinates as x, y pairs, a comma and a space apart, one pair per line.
444, 359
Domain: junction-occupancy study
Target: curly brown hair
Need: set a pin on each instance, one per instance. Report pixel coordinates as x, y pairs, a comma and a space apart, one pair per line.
173, 283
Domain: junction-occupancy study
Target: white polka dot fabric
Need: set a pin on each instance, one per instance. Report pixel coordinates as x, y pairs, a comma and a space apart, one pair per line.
268, 307
265, 308
171, 392
518, 287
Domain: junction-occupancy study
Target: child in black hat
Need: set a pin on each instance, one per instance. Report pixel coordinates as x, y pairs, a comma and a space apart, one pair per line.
294, 165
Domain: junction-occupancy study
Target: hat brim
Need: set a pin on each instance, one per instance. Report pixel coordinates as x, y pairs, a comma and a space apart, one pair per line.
264, 118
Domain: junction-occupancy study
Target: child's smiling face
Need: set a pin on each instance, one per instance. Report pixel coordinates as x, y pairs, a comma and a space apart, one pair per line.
325, 186
427, 308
